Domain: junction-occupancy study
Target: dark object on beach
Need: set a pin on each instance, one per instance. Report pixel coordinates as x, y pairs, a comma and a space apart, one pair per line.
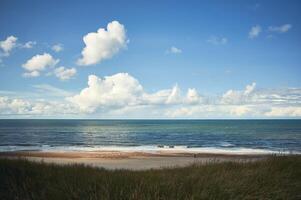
161, 146
171, 146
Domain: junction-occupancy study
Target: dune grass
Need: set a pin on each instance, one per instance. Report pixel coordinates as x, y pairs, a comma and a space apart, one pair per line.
278, 177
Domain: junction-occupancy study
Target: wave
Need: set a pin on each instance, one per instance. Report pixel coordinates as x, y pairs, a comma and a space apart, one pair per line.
150, 149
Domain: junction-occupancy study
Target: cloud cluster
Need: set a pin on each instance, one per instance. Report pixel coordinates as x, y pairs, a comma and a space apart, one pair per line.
122, 92
103, 44
23, 107
121, 95
38, 63
256, 30
11, 42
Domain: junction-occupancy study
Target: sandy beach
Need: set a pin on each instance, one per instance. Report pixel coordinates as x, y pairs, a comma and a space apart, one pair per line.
129, 160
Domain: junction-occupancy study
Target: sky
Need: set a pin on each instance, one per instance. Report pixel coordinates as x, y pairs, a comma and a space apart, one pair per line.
150, 59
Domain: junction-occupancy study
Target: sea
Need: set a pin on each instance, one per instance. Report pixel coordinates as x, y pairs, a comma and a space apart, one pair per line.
197, 136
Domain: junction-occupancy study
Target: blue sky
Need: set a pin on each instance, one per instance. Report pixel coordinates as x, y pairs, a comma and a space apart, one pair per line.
202, 45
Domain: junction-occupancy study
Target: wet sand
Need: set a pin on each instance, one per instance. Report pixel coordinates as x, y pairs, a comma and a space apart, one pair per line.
128, 160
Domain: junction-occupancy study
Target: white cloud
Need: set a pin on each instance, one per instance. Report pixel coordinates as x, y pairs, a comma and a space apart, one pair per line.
284, 112
64, 73
39, 63
238, 97
280, 29
250, 88
29, 44
193, 97
122, 96
57, 48
121, 93
158, 98
174, 96
174, 50
103, 44
117, 90
217, 40
8, 44
17, 106
121, 90
255, 31
31, 74
240, 110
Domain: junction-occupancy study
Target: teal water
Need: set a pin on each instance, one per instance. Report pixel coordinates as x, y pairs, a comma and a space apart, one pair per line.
148, 135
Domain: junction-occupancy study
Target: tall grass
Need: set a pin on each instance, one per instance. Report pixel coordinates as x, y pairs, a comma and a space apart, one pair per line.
273, 178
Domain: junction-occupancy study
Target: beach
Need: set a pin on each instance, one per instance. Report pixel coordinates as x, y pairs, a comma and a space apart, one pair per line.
130, 160
114, 176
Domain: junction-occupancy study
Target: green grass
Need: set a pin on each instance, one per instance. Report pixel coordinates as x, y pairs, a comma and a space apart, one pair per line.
278, 177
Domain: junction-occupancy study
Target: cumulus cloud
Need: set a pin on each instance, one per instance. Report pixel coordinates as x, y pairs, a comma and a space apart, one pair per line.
8, 44
255, 31
174, 50
38, 63
57, 48
64, 73
217, 40
103, 44
280, 29
238, 97
121, 90
193, 97
117, 90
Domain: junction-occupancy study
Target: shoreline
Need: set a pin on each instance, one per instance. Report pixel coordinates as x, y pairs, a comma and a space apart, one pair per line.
130, 160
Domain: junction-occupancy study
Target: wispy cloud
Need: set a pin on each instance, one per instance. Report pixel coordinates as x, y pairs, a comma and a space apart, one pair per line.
280, 29
57, 48
255, 31
29, 44
217, 40
51, 90
174, 50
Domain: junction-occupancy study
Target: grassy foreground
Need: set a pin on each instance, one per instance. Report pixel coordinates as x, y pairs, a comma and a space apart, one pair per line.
274, 178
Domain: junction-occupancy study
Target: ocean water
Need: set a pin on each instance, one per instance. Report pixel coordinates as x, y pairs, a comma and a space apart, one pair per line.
209, 136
